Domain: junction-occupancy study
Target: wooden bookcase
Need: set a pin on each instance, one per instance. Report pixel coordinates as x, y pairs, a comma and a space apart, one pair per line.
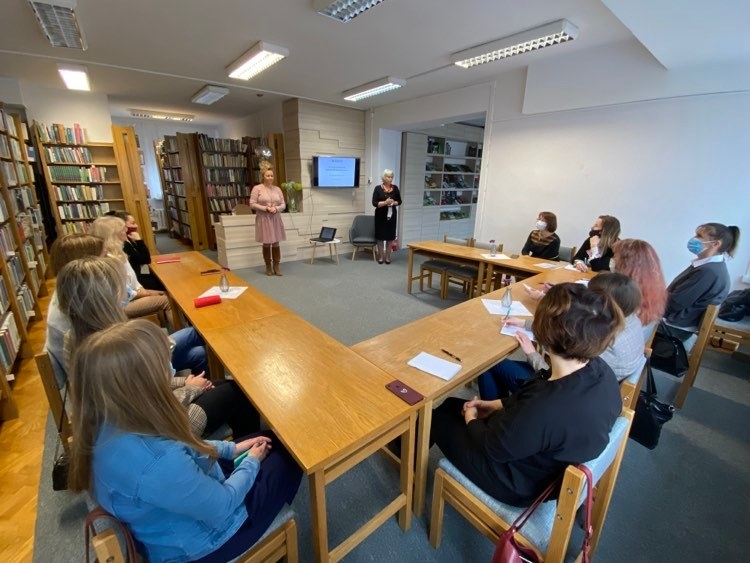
87, 179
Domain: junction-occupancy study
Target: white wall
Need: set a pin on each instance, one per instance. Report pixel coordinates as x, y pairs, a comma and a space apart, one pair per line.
10, 91
389, 156
259, 124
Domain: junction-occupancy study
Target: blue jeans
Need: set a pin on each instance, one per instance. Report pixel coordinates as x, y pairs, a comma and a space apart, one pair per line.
189, 351
503, 379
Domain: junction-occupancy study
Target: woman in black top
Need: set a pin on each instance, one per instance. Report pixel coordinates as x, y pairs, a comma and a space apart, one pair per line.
596, 251
138, 254
385, 199
513, 448
542, 241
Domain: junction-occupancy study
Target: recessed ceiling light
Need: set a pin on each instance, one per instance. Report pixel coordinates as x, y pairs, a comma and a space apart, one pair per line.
343, 10
257, 59
74, 76
209, 95
165, 115
373, 88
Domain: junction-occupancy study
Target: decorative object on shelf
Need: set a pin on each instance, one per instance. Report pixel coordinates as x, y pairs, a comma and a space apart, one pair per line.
291, 194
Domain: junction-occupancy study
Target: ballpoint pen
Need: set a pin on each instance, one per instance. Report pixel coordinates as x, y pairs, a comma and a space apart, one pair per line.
444, 351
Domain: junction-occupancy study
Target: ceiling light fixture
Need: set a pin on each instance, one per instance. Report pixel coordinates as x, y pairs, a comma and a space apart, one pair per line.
373, 88
343, 10
150, 114
209, 95
260, 56
74, 76
59, 23
553, 33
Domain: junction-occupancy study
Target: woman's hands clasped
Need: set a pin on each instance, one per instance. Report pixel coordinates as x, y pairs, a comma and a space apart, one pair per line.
258, 447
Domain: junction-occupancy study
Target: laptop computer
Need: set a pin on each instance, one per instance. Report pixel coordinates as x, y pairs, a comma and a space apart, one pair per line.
327, 234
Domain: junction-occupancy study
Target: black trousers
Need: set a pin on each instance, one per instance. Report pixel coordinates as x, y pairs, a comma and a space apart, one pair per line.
227, 403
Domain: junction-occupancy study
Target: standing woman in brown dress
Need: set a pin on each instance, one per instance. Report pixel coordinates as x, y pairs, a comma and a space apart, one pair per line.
385, 199
268, 202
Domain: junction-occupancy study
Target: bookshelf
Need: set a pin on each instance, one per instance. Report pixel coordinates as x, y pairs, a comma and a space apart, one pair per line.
85, 179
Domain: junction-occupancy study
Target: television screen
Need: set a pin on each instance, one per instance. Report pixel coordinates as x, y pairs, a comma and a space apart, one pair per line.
335, 172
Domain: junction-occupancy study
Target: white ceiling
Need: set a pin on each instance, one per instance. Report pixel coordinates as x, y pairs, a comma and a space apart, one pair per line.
155, 54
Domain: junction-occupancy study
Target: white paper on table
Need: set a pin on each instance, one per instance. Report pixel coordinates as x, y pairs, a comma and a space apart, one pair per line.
512, 330
547, 266
583, 281
435, 366
499, 256
496, 307
571, 267
233, 293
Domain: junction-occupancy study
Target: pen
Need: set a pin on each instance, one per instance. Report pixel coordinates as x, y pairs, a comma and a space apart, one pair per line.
444, 351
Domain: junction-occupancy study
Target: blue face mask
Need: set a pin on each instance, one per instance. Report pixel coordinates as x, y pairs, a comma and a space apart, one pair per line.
695, 245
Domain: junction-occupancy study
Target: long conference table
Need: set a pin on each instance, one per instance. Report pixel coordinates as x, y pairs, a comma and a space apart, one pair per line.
327, 404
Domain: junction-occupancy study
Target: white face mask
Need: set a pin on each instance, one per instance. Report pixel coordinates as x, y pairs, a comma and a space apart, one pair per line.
541, 225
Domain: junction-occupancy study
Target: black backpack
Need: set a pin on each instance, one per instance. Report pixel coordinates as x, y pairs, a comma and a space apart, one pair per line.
736, 306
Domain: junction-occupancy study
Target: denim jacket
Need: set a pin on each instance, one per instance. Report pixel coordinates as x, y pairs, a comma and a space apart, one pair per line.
176, 502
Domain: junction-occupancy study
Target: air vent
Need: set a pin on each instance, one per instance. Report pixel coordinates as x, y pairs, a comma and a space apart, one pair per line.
59, 23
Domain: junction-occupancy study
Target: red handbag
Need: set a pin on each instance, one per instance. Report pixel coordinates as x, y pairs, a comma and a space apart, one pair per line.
510, 550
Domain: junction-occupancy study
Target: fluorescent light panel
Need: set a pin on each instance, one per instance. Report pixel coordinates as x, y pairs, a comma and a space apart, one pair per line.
167, 116
209, 94
74, 76
260, 56
373, 88
554, 33
343, 10
59, 23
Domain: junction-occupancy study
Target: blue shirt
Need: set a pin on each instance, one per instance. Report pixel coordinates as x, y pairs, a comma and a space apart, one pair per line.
176, 501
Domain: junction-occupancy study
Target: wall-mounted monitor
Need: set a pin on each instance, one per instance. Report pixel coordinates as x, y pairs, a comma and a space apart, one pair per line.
335, 172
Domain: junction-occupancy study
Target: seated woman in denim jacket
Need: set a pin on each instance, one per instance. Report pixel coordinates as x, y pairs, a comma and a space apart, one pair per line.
181, 497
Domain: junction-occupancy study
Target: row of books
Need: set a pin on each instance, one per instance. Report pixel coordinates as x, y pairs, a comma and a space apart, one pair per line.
10, 341
173, 175
170, 143
8, 124
79, 193
80, 155
15, 173
58, 133
182, 230
83, 173
4, 300
10, 147
227, 190
182, 204
7, 242
173, 160
73, 227
25, 299
207, 143
226, 175
179, 189
23, 198
224, 159
82, 210
226, 205
15, 270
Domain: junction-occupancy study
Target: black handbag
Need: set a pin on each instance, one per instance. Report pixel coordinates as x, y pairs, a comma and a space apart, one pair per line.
736, 306
650, 414
62, 461
668, 352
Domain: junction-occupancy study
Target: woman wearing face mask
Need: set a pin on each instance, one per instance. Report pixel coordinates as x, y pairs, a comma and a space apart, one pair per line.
542, 241
138, 253
705, 282
596, 251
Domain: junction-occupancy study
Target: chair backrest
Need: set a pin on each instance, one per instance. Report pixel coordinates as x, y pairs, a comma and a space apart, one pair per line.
566, 254
630, 387
487, 246
46, 367
456, 240
362, 226
696, 354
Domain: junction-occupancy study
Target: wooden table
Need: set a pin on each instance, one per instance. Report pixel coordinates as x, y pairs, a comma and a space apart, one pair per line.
466, 330
328, 405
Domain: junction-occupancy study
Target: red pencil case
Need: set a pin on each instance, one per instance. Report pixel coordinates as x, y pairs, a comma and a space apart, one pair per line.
206, 301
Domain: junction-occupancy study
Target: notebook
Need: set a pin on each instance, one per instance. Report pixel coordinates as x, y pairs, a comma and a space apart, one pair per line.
327, 234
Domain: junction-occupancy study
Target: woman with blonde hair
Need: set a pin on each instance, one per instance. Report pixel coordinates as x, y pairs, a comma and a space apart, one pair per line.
140, 302
596, 251
386, 198
181, 497
268, 201
91, 290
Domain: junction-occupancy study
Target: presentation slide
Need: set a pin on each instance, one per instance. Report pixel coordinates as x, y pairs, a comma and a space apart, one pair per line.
336, 172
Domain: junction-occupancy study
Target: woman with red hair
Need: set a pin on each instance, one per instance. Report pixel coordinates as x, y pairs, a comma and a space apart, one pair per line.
638, 260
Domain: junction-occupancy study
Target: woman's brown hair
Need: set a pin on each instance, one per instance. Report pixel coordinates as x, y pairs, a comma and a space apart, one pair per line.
619, 287
610, 233
121, 378
70, 247
576, 323
728, 236
551, 220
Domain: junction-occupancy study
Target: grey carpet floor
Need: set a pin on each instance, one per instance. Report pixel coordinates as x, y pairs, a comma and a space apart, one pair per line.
688, 500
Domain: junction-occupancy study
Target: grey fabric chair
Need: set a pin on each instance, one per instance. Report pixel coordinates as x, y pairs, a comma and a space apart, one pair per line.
362, 234
566, 254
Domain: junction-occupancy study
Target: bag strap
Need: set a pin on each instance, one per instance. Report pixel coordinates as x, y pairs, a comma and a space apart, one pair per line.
665, 328
62, 418
587, 503
526, 514
131, 555
650, 381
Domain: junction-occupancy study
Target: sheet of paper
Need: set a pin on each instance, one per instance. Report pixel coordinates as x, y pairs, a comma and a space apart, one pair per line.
498, 256
583, 281
571, 267
512, 330
495, 307
233, 293
548, 266
435, 366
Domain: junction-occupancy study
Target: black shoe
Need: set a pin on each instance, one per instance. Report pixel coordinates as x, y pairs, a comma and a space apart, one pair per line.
387, 261
380, 261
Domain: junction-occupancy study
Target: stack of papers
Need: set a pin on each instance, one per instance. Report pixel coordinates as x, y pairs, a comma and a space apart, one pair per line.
435, 366
512, 330
496, 307
233, 293
548, 266
498, 256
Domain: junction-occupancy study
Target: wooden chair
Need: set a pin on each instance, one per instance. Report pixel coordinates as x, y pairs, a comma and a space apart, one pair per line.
728, 336
465, 276
566, 254
630, 387
696, 355
548, 529
279, 542
46, 367
430, 267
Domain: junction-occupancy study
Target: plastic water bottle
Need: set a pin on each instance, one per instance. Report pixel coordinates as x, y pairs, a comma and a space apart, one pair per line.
223, 283
493, 248
507, 300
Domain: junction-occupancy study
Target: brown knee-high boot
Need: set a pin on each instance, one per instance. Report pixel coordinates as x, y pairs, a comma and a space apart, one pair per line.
276, 260
267, 259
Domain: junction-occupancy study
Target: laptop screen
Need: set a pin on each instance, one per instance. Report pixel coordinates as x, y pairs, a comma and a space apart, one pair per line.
327, 233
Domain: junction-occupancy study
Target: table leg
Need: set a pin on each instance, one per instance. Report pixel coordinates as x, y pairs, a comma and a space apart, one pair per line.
177, 323
480, 282
312, 258
409, 271
336, 250
318, 509
215, 367
488, 277
423, 451
407, 472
